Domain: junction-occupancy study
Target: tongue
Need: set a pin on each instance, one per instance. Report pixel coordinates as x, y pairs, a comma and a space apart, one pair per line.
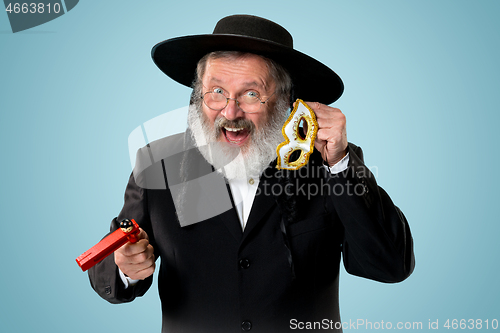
236, 136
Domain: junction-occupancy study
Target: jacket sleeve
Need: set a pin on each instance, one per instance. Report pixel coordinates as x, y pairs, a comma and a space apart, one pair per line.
104, 277
377, 242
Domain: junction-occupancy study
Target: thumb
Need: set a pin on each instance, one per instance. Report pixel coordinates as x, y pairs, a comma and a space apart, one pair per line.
142, 235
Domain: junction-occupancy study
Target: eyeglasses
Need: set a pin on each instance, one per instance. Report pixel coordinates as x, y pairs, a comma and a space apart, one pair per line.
248, 103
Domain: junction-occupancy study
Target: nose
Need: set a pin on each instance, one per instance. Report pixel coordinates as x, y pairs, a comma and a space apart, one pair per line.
232, 111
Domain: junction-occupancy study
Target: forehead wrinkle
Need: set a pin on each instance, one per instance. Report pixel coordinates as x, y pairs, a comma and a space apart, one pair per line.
248, 84
256, 84
217, 73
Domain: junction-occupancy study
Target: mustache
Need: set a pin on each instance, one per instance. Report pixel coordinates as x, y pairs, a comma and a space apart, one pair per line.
221, 122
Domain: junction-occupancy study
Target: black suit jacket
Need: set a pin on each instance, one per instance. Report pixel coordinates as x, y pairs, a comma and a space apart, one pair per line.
214, 277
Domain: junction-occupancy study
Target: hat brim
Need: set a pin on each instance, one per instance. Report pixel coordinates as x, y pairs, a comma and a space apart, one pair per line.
313, 81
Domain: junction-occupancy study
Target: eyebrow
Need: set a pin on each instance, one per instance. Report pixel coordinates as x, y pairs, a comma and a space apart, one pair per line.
248, 84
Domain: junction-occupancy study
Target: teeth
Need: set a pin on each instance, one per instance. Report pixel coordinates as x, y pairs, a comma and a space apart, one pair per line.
233, 129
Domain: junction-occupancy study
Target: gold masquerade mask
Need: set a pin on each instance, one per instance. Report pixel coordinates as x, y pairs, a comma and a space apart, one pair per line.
294, 140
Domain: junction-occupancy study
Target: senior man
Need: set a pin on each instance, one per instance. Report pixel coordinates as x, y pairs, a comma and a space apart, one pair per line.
245, 246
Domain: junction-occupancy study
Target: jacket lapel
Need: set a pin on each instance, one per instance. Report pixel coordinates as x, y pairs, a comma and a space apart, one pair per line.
231, 220
264, 200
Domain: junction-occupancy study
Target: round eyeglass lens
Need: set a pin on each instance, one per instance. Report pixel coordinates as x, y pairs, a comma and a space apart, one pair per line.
215, 101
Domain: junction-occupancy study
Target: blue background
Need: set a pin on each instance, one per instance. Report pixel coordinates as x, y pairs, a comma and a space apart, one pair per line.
421, 98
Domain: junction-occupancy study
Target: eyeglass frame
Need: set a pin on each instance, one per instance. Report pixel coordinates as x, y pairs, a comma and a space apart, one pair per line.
236, 100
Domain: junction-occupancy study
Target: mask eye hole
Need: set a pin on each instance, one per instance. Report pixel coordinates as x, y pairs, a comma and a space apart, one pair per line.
294, 156
302, 130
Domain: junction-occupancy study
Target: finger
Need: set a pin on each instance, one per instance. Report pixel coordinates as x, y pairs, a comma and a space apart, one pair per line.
333, 125
139, 257
334, 115
130, 249
326, 122
134, 264
330, 135
325, 112
139, 260
321, 108
314, 105
333, 138
138, 271
139, 246
143, 273
142, 234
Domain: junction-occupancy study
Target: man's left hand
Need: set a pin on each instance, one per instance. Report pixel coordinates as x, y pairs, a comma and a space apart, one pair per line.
331, 140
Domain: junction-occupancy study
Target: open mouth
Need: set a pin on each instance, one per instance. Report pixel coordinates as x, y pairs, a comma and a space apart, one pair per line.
235, 135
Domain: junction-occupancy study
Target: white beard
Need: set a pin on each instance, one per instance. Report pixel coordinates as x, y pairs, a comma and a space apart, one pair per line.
232, 161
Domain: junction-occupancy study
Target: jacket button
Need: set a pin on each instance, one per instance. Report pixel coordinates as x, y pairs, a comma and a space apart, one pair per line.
107, 290
246, 326
244, 263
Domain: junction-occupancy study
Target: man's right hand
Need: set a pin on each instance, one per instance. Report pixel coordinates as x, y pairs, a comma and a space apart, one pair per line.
136, 260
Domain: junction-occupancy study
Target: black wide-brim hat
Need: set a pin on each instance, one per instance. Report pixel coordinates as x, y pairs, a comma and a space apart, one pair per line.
312, 80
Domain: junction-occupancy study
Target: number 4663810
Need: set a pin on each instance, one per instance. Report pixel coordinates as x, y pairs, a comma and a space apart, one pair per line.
33, 8
471, 324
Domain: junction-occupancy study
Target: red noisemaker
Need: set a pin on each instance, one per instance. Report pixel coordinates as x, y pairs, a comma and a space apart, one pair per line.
128, 232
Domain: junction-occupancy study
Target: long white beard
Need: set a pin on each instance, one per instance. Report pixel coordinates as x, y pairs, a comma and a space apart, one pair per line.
229, 160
